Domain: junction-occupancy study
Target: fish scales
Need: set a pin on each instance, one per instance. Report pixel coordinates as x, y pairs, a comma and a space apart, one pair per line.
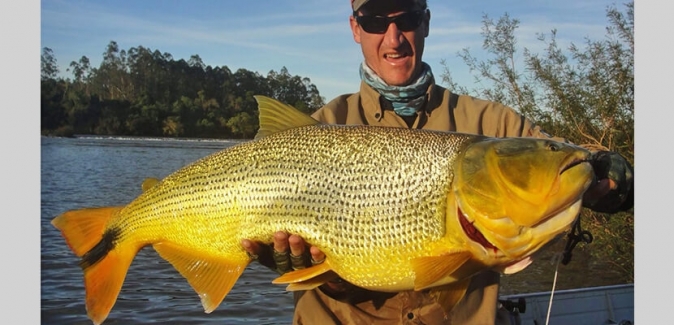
374, 190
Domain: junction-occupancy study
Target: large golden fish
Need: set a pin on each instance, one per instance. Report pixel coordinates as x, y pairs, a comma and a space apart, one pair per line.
392, 209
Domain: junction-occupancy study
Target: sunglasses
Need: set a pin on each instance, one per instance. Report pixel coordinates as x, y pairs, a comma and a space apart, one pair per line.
405, 22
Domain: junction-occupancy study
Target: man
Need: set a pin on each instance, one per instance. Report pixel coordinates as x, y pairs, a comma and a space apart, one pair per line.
398, 90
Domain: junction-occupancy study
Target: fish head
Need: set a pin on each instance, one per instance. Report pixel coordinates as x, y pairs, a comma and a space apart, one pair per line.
515, 195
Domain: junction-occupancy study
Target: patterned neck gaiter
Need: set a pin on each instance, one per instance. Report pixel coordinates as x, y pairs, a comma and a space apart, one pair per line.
406, 100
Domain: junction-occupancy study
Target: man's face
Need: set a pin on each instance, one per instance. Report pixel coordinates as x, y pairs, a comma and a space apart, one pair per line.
394, 55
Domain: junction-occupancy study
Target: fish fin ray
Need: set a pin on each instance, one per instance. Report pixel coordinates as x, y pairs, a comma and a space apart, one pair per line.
149, 183
431, 269
276, 116
449, 295
304, 275
211, 277
84, 228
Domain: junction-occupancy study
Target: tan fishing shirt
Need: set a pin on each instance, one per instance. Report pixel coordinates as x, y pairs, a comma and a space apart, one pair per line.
443, 111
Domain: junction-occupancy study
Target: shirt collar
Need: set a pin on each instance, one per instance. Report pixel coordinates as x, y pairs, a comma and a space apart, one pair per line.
370, 102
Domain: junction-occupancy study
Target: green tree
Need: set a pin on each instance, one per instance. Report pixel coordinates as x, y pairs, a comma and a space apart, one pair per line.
48, 63
112, 116
52, 114
82, 72
172, 126
294, 90
585, 94
243, 125
55, 113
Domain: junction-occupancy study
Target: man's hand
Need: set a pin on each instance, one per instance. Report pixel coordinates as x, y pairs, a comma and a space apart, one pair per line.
287, 253
280, 259
614, 189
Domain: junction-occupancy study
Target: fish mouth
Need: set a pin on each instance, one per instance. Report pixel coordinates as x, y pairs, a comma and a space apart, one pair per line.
473, 233
572, 163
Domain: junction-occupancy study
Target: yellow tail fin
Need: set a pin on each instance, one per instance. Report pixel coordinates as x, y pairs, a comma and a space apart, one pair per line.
104, 261
103, 281
83, 229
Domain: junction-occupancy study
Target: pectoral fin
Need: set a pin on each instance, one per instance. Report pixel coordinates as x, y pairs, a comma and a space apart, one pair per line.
306, 279
431, 269
211, 277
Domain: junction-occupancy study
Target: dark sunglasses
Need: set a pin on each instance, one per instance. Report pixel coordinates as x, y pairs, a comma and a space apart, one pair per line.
405, 22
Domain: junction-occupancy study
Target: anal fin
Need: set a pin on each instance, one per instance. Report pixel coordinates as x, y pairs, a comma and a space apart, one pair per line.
212, 277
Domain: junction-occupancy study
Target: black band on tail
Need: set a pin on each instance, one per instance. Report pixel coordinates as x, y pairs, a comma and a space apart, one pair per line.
101, 249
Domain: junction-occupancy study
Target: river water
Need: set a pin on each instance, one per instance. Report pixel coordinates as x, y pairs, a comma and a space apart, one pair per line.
88, 172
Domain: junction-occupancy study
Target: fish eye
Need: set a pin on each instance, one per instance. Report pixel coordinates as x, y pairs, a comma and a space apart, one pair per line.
553, 146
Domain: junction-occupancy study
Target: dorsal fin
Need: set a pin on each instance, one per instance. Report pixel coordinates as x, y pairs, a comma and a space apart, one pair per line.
276, 116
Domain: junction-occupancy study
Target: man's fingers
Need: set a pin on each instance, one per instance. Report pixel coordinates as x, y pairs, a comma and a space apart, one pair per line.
260, 252
289, 252
299, 258
250, 246
297, 245
317, 257
280, 242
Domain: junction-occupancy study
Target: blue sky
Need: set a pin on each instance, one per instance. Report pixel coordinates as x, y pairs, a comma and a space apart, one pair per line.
310, 38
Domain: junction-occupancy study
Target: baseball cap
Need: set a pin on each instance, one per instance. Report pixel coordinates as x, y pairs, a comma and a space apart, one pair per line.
356, 4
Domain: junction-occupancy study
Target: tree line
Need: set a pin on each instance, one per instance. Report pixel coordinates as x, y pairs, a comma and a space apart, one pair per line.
141, 92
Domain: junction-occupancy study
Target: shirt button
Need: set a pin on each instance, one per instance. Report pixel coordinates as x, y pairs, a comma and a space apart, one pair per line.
377, 115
